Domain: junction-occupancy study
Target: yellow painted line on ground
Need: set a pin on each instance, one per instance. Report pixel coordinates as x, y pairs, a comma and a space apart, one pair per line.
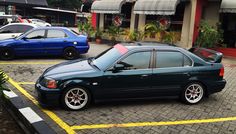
52, 115
29, 63
26, 83
145, 124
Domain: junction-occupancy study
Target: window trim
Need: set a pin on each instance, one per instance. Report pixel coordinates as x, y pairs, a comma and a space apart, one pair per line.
155, 57
46, 34
151, 65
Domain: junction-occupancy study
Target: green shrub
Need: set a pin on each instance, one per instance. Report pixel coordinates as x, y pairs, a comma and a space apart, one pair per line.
209, 36
3, 80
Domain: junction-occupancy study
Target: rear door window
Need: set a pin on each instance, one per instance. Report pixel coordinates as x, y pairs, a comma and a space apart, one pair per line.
165, 59
56, 34
8, 29
16, 29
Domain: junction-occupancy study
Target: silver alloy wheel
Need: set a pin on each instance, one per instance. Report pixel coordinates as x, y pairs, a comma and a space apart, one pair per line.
194, 93
76, 98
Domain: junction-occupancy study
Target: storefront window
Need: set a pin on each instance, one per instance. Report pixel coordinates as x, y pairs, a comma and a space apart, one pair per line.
175, 20
125, 17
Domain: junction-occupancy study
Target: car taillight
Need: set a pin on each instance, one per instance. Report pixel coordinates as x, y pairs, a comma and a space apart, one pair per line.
51, 84
222, 71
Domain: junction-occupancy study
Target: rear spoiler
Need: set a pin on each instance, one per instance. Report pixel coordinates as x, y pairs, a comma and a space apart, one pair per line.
207, 54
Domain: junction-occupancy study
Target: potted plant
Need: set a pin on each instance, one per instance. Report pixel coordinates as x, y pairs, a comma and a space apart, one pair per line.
98, 36
86, 29
135, 35
209, 36
151, 30
114, 31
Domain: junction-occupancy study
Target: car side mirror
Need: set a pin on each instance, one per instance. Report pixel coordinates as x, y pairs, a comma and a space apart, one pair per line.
24, 38
118, 67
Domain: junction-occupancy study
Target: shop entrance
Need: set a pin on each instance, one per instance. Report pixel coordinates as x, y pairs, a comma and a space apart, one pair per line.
228, 21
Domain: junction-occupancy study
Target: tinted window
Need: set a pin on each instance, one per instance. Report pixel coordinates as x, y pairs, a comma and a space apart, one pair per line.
56, 34
138, 60
187, 61
23, 28
16, 29
8, 29
169, 59
36, 34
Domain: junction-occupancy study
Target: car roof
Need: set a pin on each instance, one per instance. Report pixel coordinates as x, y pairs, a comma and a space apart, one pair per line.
150, 45
28, 24
54, 28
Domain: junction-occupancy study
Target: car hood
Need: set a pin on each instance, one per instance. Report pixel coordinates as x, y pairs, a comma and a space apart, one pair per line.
3, 42
68, 67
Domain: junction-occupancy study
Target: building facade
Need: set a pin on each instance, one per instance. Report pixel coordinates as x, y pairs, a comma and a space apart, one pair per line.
183, 16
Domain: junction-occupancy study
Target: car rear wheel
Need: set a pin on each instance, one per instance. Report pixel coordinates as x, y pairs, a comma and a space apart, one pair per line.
7, 54
76, 98
70, 53
193, 93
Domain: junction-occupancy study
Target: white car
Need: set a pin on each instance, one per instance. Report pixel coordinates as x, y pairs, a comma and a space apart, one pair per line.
40, 22
13, 30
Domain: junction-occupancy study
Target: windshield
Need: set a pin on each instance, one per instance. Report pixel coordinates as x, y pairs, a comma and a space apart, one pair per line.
106, 58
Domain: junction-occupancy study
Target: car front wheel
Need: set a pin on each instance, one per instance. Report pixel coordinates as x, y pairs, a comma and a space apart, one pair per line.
76, 98
7, 54
193, 93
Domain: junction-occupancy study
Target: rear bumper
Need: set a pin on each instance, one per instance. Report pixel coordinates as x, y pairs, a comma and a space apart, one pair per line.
216, 86
47, 97
82, 49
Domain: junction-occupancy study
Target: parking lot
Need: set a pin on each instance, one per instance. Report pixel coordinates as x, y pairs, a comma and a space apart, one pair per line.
216, 114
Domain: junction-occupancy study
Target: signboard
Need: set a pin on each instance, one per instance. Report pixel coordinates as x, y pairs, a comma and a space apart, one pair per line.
164, 22
117, 20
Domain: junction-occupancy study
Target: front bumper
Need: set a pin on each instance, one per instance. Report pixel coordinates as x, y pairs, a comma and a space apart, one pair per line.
216, 86
47, 97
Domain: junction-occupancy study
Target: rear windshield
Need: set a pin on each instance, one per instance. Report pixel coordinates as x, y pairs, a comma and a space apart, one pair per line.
205, 54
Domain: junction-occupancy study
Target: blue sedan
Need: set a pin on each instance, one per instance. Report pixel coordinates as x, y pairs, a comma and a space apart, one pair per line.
45, 41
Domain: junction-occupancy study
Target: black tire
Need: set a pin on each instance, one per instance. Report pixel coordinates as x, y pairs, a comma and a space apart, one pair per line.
193, 93
70, 53
70, 101
7, 54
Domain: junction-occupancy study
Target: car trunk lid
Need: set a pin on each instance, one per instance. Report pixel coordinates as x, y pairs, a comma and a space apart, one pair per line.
207, 55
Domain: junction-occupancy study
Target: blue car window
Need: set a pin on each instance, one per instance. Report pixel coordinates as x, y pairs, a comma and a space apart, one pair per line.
56, 34
38, 34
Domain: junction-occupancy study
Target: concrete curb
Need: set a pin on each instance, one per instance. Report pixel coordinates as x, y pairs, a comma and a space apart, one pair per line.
26, 115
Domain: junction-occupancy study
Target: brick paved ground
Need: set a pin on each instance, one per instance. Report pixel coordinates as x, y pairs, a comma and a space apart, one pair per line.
218, 105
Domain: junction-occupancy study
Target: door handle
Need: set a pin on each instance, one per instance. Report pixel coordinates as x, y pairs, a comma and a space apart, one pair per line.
186, 74
64, 40
144, 76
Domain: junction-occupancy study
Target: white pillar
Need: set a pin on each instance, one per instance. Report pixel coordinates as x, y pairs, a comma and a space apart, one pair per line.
101, 22
132, 19
141, 21
188, 24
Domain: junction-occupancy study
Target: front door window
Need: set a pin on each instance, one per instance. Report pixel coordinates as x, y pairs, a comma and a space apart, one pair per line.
39, 34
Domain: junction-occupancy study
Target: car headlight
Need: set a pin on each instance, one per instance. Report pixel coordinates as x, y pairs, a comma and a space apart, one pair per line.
50, 83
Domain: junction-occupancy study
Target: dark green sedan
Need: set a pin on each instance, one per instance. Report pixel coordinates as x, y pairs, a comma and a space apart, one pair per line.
136, 71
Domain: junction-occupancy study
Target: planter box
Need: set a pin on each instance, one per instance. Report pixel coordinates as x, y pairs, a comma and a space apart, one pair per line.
227, 51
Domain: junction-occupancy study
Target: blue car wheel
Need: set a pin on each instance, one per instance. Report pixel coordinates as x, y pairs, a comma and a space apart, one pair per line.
70, 53
7, 54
